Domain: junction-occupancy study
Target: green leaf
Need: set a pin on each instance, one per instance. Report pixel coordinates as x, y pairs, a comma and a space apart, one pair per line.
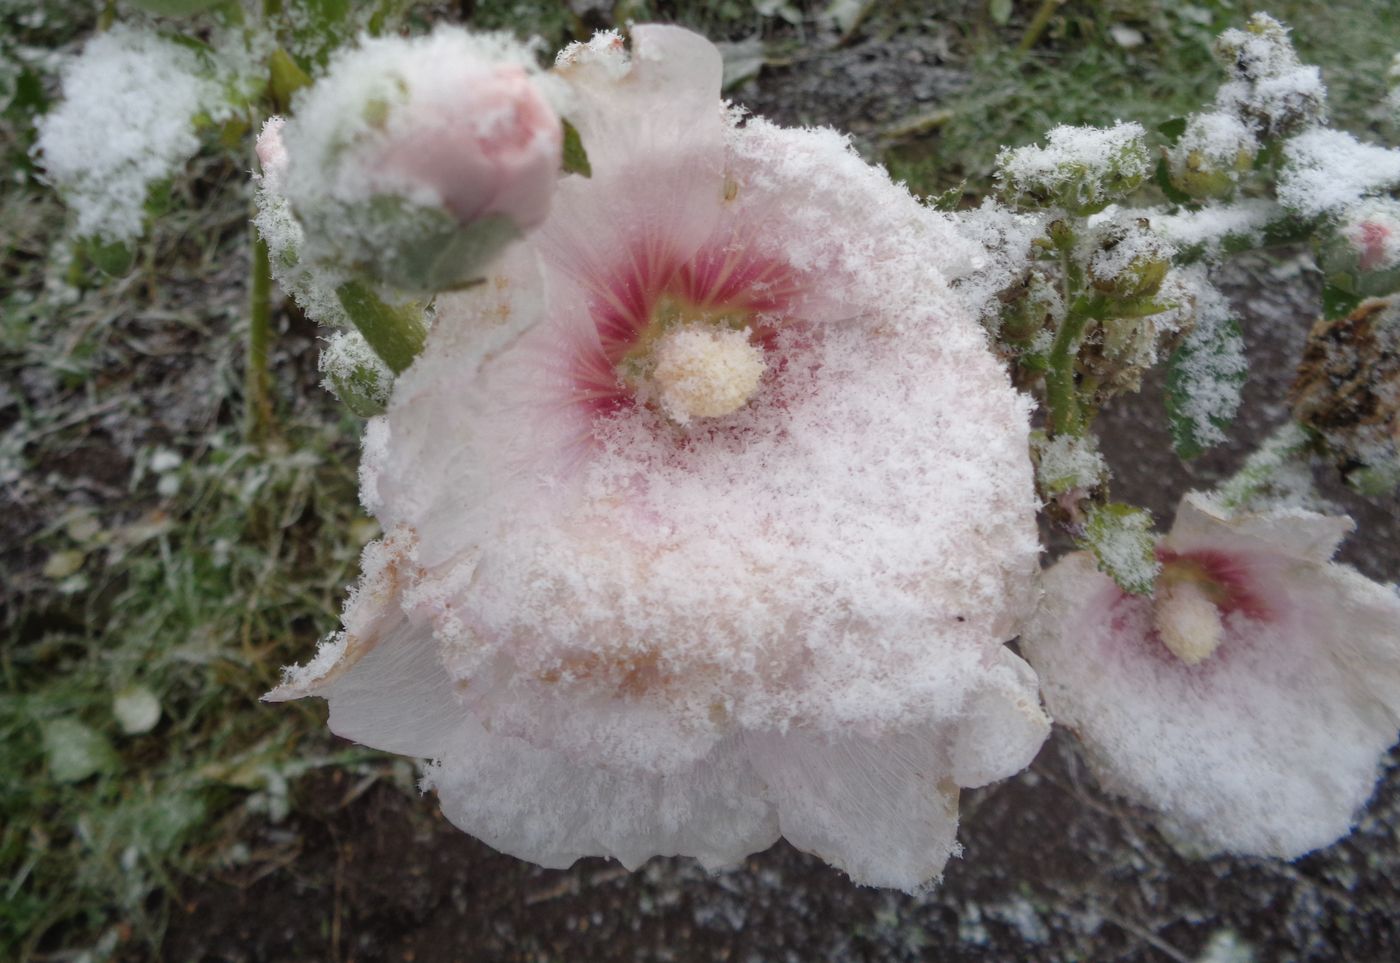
999, 11
1122, 541
173, 8
395, 332
575, 157
1204, 377
74, 751
285, 78
1172, 129
1162, 175
1337, 302
113, 258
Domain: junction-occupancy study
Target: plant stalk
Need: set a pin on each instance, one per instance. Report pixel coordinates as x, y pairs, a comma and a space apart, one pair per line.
258, 385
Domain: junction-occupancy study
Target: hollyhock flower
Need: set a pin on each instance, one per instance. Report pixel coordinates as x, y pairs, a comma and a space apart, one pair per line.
707, 515
1250, 699
420, 159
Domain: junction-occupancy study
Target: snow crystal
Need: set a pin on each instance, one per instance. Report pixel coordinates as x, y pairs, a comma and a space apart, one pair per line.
1326, 171
349, 364
125, 123
1212, 153
1005, 239
1080, 168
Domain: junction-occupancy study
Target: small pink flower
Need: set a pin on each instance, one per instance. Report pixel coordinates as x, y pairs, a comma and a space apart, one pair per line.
481, 137
419, 160
710, 511
1250, 700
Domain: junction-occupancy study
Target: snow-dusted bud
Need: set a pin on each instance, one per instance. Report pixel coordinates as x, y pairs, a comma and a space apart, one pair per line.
1348, 392
1249, 699
418, 160
1363, 256
1127, 260
1080, 169
1211, 155
1269, 88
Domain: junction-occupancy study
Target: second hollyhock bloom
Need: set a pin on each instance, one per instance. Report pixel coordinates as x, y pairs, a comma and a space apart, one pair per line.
708, 514
1250, 699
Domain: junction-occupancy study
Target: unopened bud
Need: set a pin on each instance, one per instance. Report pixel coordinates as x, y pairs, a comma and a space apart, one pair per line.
1080, 169
1128, 261
417, 161
1215, 150
1363, 257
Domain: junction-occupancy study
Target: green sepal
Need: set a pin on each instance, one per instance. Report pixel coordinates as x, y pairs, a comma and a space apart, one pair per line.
395, 332
1163, 176
1124, 544
1172, 129
575, 157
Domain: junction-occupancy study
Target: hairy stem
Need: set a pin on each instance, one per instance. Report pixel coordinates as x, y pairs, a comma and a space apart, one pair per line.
258, 391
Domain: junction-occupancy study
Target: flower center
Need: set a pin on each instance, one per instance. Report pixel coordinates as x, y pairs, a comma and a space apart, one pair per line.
694, 362
1186, 612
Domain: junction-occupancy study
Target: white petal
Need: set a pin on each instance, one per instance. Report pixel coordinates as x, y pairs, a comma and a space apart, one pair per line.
882, 810
1003, 728
539, 805
1201, 523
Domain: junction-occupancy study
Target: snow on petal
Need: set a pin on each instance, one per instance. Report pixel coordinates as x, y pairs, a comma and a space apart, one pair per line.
1257, 728
645, 620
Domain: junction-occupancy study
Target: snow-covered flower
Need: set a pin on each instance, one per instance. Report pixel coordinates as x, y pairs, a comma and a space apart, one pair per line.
420, 159
1250, 699
708, 514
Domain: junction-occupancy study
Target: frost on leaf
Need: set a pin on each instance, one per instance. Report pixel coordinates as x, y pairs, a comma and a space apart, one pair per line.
1206, 373
1326, 171
1123, 543
126, 122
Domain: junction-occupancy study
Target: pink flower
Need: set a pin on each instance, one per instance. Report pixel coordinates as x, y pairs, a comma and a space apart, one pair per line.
409, 154
709, 513
1250, 700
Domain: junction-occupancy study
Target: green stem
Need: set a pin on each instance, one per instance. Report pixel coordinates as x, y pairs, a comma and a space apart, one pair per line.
1038, 23
395, 332
1060, 393
258, 392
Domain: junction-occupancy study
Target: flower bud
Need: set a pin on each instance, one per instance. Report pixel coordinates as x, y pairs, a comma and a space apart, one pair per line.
417, 161
1270, 89
1080, 169
1213, 152
1128, 261
1363, 257
1347, 392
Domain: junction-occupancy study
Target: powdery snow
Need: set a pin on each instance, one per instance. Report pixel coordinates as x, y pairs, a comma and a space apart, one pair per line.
126, 122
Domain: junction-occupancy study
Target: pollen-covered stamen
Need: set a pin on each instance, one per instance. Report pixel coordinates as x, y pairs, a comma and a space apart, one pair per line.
1186, 612
704, 371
